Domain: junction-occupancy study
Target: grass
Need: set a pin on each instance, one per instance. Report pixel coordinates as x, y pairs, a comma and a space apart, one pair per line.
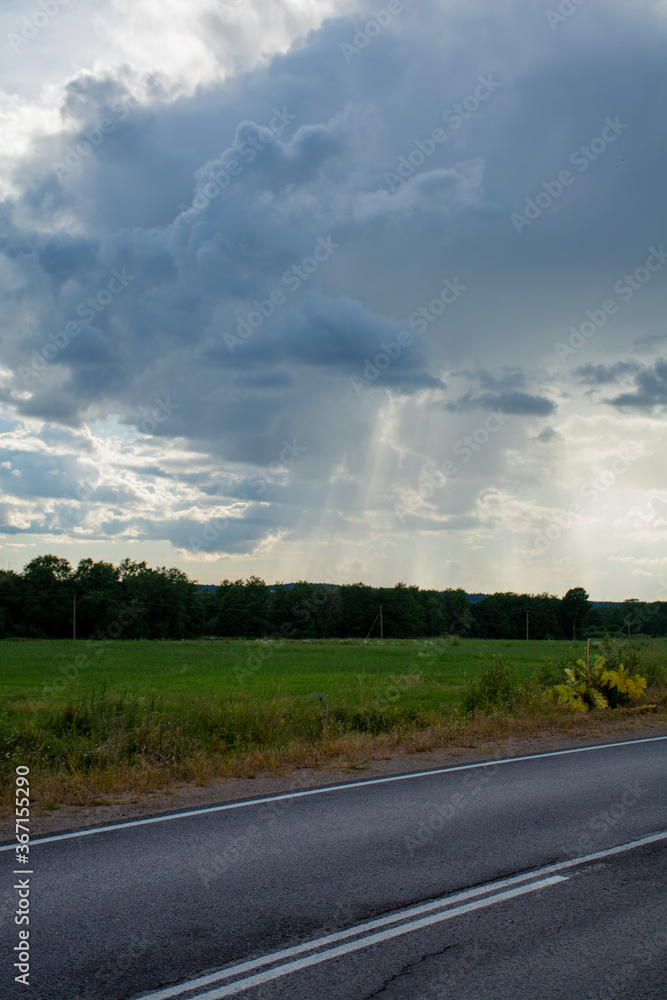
93, 719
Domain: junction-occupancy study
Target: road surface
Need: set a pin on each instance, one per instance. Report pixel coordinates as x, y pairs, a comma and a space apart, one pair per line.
537, 877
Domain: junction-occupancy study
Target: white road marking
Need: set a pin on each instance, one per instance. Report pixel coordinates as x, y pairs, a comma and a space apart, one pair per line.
325, 956
444, 905
207, 810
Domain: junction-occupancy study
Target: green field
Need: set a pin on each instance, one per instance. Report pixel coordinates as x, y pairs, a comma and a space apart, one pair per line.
179, 710
428, 674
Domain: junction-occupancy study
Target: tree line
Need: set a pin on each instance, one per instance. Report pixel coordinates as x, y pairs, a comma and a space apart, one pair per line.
97, 600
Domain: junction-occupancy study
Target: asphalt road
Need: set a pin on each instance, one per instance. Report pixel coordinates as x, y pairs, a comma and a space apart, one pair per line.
430, 885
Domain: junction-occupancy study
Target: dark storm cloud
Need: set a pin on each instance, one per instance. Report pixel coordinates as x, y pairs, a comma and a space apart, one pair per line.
607, 374
188, 272
650, 390
51, 405
508, 402
649, 383
212, 203
502, 391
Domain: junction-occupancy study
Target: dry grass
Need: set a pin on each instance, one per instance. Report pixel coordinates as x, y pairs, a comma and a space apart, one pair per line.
352, 751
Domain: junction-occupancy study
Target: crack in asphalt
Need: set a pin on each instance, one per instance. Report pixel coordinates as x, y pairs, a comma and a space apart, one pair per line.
408, 968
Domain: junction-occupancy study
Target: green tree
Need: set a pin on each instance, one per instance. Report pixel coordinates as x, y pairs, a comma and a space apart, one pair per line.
500, 616
243, 609
358, 607
167, 602
98, 596
297, 610
12, 604
435, 615
544, 616
458, 611
403, 614
49, 597
574, 608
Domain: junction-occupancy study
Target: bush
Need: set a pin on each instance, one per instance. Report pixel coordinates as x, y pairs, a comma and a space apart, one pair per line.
618, 654
551, 673
498, 686
607, 683
370, 720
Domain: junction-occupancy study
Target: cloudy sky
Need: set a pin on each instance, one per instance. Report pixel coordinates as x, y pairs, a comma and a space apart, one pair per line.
292, 288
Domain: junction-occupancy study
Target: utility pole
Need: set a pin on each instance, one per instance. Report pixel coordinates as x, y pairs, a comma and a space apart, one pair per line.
527, 616
378, 615
329, 610
381, 629
574, 629
74, 618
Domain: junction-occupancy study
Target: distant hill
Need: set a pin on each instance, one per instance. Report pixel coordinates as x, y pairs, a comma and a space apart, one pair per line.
476, 598
473, 598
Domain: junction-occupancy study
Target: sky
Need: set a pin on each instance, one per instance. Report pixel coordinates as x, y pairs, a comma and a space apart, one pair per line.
335, 291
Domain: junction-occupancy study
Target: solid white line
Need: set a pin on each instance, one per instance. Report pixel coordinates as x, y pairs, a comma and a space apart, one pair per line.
437, 904
206, 810
369, 925
325, 956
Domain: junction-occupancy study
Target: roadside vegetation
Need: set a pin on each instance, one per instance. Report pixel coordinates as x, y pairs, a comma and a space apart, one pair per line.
99, 719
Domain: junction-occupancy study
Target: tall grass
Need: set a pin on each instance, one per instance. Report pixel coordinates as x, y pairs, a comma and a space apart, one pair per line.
147, 714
